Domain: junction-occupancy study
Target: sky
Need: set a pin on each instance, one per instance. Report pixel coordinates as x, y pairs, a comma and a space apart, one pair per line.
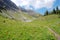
39, 6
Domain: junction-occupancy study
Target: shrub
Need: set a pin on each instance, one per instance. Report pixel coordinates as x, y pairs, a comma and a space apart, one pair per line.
4, 21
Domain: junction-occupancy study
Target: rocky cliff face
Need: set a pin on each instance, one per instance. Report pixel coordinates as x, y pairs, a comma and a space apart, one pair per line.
8, 4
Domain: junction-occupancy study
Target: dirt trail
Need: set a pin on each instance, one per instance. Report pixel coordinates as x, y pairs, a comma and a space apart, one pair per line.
56, 34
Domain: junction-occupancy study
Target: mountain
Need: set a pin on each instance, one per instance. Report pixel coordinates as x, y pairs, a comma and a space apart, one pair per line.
8, 4
9, 9
30, 12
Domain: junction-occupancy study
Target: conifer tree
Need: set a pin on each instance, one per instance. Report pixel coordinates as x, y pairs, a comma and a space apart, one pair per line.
46, 13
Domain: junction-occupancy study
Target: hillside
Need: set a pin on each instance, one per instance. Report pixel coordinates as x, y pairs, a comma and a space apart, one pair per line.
9, 9
17, 15
35, 30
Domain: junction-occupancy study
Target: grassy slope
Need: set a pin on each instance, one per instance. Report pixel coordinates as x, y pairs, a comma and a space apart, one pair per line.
51, 21
18, 15
36, 30
54, 23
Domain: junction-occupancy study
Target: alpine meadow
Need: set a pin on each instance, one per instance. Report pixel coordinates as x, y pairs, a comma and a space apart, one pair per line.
18, 23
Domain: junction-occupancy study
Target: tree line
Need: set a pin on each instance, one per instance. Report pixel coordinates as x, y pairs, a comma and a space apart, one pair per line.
54, 11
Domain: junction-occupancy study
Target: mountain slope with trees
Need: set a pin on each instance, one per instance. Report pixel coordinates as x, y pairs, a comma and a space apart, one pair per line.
54, 11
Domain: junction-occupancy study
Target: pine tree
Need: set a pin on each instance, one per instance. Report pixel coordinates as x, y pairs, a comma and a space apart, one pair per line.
54, 11
57, 10
46, 13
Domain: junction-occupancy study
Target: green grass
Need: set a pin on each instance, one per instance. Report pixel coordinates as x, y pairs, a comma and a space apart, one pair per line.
54, 23
51, 21
36, 30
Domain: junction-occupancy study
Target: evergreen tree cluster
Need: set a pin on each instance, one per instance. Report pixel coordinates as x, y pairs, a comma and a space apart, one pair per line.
54, 11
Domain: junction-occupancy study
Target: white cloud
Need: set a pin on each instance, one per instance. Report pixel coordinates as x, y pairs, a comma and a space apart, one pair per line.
36, 4
59, 7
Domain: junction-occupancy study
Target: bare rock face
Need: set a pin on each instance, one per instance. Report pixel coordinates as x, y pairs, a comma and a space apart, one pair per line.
8, 4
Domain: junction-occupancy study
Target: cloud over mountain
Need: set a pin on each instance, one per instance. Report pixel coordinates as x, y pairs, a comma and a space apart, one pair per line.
36, 4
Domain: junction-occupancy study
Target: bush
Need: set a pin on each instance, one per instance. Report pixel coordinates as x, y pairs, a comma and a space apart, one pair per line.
4, 21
